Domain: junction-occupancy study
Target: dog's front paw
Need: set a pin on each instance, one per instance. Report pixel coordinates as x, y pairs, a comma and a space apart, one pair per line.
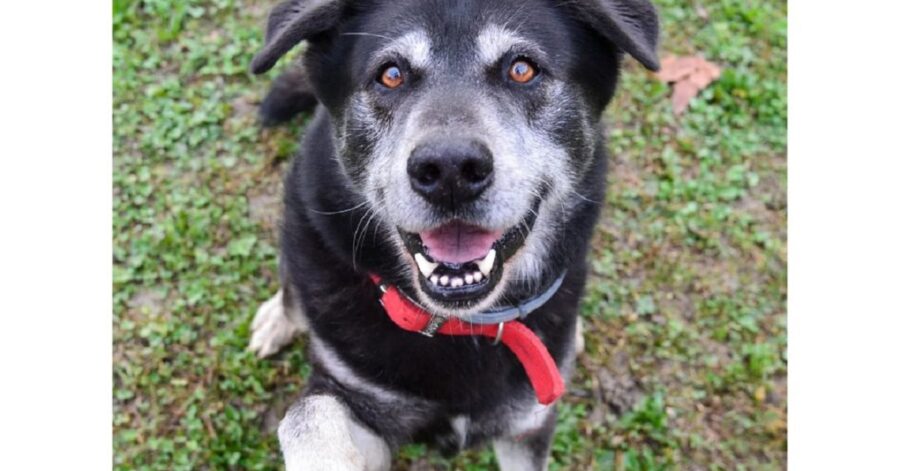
319, 433
272, 329
579, 336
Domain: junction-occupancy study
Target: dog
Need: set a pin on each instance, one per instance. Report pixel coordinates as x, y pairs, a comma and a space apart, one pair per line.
438, 215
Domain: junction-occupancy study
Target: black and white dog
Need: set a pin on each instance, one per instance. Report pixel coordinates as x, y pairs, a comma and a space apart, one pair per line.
438, 216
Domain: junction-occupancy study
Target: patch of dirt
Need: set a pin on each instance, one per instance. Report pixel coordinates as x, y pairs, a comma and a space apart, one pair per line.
420, 465
274, 413
624, 172
615, 388
146, 303
720, 275
778, 394
676, 304
767, 201
245, 106
265, 202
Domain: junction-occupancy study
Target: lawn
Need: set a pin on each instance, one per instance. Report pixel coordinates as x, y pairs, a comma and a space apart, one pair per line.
685, 364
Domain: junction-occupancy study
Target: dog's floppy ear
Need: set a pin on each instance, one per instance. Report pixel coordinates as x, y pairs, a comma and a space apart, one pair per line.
293, 21
632, 25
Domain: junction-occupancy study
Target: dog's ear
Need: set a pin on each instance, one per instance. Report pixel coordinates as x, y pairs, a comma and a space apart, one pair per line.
632, 25
293, 21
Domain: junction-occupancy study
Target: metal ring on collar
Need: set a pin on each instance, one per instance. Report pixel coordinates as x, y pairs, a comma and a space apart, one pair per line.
499, 336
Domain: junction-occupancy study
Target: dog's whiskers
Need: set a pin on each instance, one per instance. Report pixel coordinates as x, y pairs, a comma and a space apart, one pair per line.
331, 213
358, 235
576, 193
374, 212
360, 33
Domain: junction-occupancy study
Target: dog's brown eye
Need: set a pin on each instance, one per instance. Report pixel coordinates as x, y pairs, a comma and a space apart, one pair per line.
521, 71
391, 77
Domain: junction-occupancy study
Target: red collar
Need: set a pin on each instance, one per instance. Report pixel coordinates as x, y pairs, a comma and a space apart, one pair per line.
532, 354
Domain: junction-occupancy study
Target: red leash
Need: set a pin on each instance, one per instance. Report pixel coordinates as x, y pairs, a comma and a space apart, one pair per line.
532, 354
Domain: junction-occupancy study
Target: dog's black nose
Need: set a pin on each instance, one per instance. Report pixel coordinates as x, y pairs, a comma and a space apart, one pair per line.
450, 173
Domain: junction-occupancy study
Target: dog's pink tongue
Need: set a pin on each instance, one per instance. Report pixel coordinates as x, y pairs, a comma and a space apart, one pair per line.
457, 242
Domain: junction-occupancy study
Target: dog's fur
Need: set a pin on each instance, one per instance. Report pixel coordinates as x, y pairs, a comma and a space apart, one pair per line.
347, 197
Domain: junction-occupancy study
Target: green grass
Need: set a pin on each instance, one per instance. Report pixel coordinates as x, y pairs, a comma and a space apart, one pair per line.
685, 309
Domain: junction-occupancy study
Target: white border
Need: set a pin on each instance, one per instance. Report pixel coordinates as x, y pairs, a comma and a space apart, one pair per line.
55, 247
844, 208
56, 242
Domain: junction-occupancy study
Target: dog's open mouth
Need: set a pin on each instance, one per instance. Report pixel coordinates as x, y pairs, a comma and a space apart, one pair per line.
459, 263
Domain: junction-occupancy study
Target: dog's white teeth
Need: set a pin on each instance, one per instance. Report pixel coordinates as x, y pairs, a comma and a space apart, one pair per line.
425, 267
487, 263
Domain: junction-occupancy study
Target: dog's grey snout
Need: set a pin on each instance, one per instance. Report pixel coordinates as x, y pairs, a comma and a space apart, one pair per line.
449, 173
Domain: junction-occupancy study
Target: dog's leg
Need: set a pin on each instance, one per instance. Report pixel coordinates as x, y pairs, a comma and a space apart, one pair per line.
277, 322
528, 453
319, 433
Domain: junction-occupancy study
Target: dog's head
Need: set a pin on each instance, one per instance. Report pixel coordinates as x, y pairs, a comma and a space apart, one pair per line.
467, 126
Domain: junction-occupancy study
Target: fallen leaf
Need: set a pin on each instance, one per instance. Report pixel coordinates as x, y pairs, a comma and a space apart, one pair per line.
682, 93
760, 394
688, 75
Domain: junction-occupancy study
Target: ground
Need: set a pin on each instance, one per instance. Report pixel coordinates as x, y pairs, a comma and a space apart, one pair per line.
685, 366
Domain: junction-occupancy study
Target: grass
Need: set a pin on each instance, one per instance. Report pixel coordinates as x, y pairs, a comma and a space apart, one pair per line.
685, 309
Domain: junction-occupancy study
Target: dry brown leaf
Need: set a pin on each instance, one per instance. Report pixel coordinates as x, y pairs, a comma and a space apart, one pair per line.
689, 75
682, 93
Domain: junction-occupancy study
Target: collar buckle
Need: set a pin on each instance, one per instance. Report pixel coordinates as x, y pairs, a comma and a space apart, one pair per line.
434, 323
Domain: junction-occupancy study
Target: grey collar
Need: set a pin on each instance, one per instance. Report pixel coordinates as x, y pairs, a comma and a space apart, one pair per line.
519, 311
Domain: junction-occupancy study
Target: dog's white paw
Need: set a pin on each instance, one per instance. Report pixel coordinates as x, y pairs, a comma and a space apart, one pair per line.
271, 327
319, 433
